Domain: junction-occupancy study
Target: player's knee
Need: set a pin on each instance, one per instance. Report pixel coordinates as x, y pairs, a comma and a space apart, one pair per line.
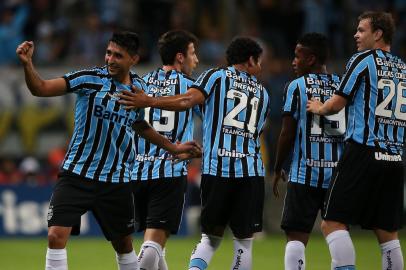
123, 245
56, 240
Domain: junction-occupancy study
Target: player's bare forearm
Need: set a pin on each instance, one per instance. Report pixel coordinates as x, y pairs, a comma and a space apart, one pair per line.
285, 141
143, 129
138, 99
36, 85
331, 106
32, 79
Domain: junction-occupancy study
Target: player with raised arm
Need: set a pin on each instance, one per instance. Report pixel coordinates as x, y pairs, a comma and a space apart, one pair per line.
159, 184
96, 171
317, 144
367, 188
235, 107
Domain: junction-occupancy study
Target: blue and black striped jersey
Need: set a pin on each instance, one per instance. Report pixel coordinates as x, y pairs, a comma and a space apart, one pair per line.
151, 162
102, 144
234, 114
319, 139
375, 86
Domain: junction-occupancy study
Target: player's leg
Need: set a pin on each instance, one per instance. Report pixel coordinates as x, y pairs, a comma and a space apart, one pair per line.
151, 252
161, 212
215, 195
392, 257
56, 257
295, 250
301, 207
246, 218
113, 209
69, 201
388, 209
340, 245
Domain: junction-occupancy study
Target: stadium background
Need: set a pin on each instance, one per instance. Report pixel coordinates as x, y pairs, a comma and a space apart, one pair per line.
71, 34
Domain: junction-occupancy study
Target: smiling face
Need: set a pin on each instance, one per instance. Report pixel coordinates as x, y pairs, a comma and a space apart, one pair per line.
365, 37
119, 61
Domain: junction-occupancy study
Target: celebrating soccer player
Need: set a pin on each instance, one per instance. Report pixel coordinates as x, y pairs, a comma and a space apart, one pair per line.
159, 184
317, 145
96, 171
367, 188
235, 108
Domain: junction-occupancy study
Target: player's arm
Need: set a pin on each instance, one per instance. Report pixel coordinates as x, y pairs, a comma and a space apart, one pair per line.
138, 99
147, 132
285, 143
36, 85
332, 106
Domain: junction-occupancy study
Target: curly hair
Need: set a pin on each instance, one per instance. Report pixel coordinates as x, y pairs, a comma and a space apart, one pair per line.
318, 45
241, 49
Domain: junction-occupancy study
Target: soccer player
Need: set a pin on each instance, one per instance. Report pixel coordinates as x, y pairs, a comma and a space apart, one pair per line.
96, 171
159, 184
367, 188
235, 107
317, 145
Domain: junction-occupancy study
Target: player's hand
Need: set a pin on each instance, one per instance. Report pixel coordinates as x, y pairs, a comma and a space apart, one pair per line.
313, 105
134, 99
192, 148
24, 51
196, 153
276, 177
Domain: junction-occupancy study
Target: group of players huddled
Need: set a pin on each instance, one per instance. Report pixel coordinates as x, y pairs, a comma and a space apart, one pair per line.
127, 158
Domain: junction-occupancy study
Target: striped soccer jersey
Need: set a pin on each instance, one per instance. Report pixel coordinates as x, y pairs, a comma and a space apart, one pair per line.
234, 114
151, 162
319, 139
375, 87
102, 144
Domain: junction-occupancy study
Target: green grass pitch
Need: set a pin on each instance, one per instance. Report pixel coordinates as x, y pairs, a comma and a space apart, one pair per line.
96, 253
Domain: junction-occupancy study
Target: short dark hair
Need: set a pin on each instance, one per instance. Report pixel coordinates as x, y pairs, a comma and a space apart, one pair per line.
173, 42
126, 39
241, 49
380, 20
318, 45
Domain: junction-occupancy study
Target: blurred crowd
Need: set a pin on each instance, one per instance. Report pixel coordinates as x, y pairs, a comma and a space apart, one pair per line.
77, 30
74, 33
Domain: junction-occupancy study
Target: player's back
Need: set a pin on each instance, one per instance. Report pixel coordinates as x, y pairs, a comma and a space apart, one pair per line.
234, 115
375, 83
319, 140
152, 162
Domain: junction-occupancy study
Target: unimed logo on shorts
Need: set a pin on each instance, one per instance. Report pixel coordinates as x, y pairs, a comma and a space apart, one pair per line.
387, 157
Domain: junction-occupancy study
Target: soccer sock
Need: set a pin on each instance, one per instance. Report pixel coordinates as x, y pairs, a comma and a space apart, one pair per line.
295, 255
341, 250
242, 259
392, 258
127, 261
204, 251
56, 259
150, 255
162, 265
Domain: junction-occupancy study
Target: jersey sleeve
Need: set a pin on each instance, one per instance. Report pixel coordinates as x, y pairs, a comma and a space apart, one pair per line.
356, 70
206, 81
82, 81
290, 99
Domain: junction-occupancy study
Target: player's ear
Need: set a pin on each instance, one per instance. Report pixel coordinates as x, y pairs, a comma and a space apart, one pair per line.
378, 34
135, 58
180, 58
251, 61
311, 59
